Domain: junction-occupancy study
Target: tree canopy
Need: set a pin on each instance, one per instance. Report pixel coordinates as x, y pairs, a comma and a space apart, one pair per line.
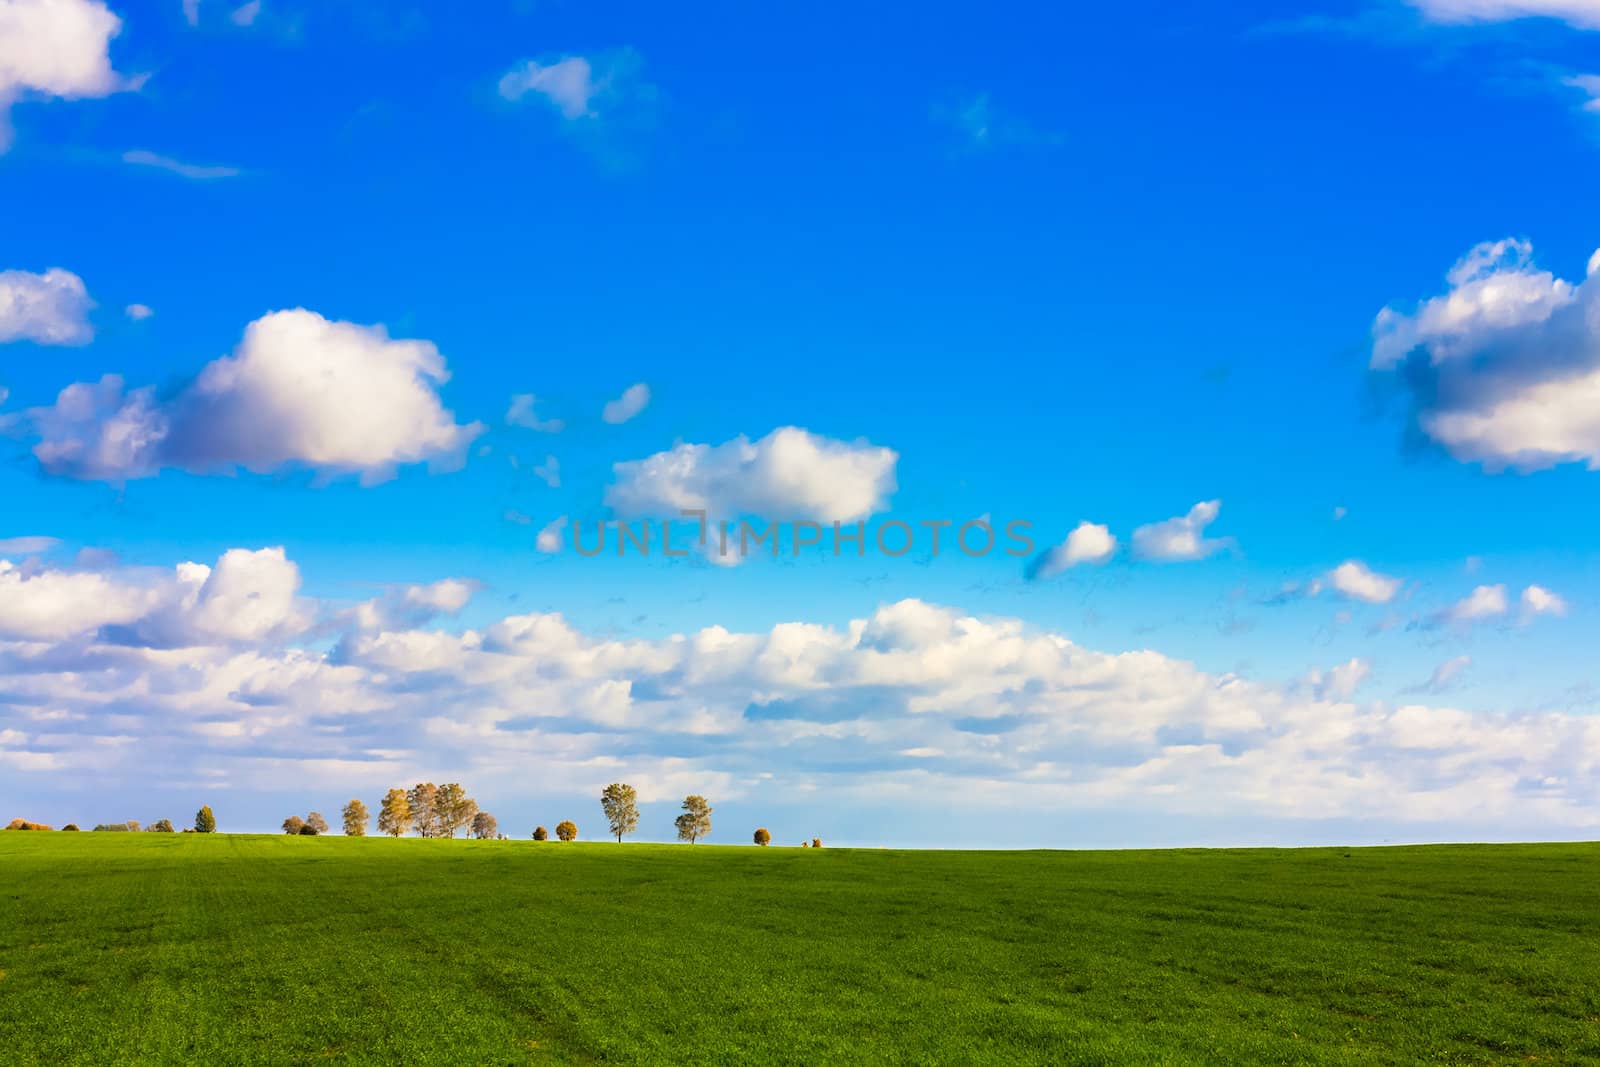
204, 821
394, 815
356, 818
695, 822
621, 805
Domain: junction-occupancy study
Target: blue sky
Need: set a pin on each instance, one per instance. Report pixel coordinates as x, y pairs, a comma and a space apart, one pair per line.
1067, 267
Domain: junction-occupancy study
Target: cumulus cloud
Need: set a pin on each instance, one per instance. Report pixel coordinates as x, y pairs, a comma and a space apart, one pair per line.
1484, 602
633, 400
48, 309
991, 709
1181, 538
198, 172
1589, 85
1504, 368
298, 391
788, 474
1537, 600
59, 48
138, 312
1357, 581
1584, 14
1340, 682
1087, 543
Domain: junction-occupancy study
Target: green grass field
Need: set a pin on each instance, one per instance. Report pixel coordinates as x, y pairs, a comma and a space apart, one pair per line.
150, 948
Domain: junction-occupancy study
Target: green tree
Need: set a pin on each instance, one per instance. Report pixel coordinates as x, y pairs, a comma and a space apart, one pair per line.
423, 817
317, 822
356, 818
762, 837
453, 809
567, 830
695, 822
394, 815
541, 834
204, 821
484, 826
621, 805
293, 824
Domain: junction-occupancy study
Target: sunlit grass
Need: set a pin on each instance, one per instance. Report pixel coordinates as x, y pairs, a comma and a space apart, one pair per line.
137, 948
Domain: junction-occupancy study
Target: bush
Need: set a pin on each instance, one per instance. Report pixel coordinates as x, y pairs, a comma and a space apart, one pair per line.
816, 842
567, 830
160, 826
24, 824
70, 826
762, 837
541, 834
116, 827
307, 830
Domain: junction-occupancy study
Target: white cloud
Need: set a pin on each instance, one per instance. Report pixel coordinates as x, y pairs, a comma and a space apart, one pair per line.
59, 48
1504, 369
788, 474
1537, 600
1003, 714
1340, 512
246, 14
138, 312
1589, 85
549, 472
299, 390
48, 309
632, 401
552, 537
1181, 538
1584, 14
1484, 602
521, 413
191, 12
1087, 543
141, 158
1340, 682
1359, 582
569, 84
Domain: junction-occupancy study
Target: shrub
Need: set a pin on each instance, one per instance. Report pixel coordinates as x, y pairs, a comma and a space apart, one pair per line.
762, 837
816, 842
71, 826
115, 827
204, 821
567, 830
24, 824
541, 834
307, 830
160, 826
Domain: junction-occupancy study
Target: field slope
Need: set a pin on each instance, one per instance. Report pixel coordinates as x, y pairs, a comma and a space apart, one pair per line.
145, 948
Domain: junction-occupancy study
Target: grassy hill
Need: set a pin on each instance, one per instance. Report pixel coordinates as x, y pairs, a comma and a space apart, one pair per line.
124, 948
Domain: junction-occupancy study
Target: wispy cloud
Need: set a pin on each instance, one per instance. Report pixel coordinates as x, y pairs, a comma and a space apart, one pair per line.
980, 125
198, 172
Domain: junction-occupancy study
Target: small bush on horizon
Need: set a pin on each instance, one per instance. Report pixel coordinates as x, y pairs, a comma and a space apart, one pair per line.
567, 830
308, 830
541, 834
24, 824
160, 826
762, 837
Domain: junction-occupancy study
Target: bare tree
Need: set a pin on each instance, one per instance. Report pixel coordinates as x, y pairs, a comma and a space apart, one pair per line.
621, 805
695, 822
